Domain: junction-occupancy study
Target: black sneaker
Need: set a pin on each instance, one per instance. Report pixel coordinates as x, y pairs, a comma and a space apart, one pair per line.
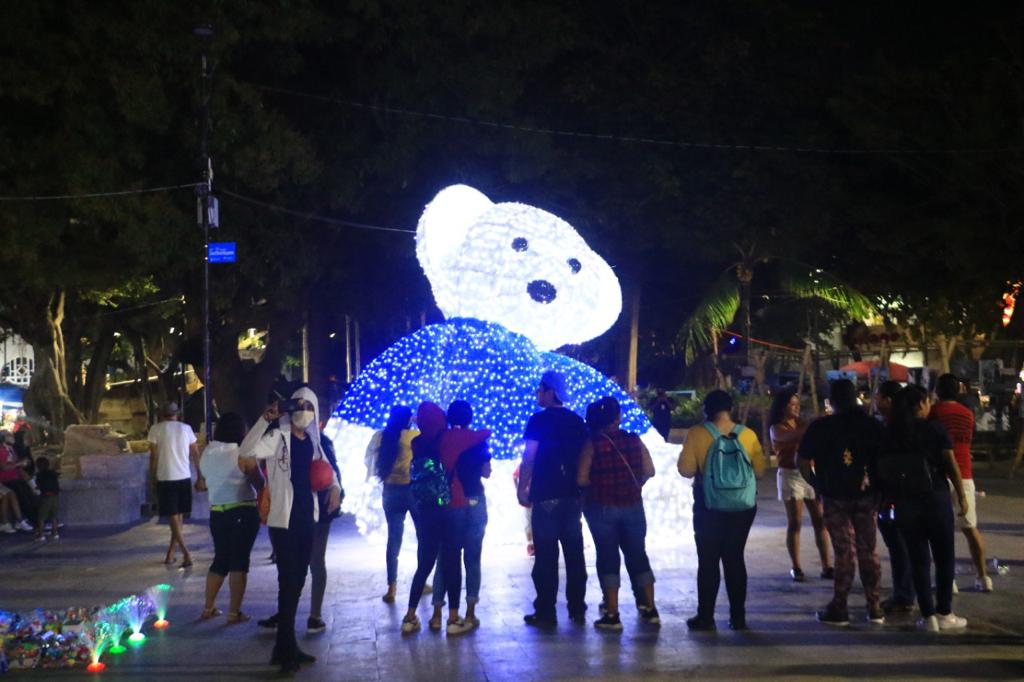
738, 623
699, 624
828, 573
540, 622
315, 625
602, 608
897, 605
876, 614
797, 575
833, 616
302, 657
609, 622
649, 615
268, 623
578, 617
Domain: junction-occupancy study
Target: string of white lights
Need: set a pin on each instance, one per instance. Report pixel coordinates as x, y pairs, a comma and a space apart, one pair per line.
632, 139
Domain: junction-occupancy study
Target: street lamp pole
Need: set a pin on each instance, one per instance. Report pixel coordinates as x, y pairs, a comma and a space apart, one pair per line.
203, 191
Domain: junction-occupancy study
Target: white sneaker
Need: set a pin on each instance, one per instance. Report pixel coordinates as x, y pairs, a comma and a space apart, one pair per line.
25, 526
458, 627
7, 528
983, 584
956, 590
41, 538
951, 622
929, 624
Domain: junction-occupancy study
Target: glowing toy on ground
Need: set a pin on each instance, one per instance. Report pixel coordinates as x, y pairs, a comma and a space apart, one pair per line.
115, 616
137, 609
97, 635
514, 282
159, 595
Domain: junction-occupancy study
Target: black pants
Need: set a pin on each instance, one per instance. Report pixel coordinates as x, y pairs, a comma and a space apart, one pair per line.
234, 532
558, 522
453, 540
26, 498
293, 546
927, 527
720, 537
899, 558
429, 529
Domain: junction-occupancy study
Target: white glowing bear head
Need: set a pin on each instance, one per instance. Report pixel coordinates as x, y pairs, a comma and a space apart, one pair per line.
516, 265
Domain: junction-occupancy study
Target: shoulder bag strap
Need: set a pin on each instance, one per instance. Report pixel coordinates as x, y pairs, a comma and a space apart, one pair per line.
624, 461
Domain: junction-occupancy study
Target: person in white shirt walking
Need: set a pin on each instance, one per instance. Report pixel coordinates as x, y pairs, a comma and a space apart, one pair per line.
172, 444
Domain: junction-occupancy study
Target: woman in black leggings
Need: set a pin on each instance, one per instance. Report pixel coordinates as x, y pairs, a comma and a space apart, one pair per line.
427, 516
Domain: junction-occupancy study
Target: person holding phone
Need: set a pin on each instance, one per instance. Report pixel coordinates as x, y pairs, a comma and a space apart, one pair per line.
289, 451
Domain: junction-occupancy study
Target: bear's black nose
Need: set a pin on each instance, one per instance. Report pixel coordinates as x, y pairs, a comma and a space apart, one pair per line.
541, 290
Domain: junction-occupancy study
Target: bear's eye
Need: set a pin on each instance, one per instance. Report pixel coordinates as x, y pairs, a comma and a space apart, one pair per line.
520, 244
574, 265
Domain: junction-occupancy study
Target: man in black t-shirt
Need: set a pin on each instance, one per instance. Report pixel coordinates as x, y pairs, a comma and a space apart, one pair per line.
547, 480
661, 413
844, 450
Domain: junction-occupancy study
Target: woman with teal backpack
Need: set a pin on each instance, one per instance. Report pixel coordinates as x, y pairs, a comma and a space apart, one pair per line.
724, 459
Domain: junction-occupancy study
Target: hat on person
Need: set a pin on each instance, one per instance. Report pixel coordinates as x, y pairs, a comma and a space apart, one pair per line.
556, 382
171, 409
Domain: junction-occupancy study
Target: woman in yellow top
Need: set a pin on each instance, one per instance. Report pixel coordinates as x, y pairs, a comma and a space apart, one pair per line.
721, 536
388, 458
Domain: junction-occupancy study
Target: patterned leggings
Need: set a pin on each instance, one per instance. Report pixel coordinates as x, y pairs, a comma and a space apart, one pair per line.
853, 525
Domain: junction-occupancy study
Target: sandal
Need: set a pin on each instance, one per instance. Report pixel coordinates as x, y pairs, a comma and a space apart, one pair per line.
410, 625
207, 614
240, 617
434, 624
186, 564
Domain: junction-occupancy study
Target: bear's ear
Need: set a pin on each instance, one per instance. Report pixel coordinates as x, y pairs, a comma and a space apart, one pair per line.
446, 221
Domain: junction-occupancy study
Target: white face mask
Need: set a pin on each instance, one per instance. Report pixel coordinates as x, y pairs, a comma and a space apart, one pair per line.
302, 418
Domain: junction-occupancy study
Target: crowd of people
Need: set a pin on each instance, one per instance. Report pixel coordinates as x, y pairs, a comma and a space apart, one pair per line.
894, 468
29, 486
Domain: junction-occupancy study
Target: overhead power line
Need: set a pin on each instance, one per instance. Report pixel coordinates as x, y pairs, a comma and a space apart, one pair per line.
607, 137
100, 195
311, 216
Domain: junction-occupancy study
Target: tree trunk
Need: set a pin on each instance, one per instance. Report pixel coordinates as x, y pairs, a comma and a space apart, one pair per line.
745, 275
47, 395
628, 339
946, 348
142, 373
96, 373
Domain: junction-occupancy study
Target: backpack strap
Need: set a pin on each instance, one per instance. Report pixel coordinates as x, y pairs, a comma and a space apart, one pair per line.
713, 430
737, 430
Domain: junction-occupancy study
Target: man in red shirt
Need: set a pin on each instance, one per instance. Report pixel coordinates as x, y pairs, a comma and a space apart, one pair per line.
959, 423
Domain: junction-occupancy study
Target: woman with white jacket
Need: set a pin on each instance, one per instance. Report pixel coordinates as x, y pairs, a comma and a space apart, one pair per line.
289, 451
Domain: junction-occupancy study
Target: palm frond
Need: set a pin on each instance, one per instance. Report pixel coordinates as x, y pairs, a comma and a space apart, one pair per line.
805, 281
715, 312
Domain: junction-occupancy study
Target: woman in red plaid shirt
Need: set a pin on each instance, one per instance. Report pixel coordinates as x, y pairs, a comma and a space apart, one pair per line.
613, 467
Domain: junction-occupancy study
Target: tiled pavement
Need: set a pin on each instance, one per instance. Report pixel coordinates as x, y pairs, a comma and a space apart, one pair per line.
363, 640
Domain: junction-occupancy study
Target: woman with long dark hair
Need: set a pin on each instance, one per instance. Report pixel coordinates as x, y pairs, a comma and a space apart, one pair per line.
917, 467
388, 457
795, 492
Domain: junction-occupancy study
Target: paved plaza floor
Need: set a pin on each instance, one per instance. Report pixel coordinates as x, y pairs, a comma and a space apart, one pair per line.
363, 641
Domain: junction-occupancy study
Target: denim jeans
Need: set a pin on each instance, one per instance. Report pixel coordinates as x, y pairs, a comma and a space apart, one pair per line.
472, 547
558, 522
448, 577
397, 502
927, 527
615, 529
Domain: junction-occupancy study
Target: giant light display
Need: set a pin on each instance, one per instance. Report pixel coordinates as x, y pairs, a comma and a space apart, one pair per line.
514, 282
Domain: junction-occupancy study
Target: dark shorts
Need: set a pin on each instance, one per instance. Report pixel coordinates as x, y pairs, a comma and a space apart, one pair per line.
48, 505
174, 497
234, 532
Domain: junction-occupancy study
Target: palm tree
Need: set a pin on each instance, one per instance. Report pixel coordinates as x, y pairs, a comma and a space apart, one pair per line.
729, 294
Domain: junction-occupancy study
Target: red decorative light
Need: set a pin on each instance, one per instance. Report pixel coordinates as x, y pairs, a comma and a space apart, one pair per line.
96, 667
161, 624
1010, 302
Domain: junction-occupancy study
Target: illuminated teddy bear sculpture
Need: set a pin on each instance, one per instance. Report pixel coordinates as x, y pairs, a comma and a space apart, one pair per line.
514, 282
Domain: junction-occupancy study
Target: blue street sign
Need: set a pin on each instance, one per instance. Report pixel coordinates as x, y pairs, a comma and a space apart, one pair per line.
221, 252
